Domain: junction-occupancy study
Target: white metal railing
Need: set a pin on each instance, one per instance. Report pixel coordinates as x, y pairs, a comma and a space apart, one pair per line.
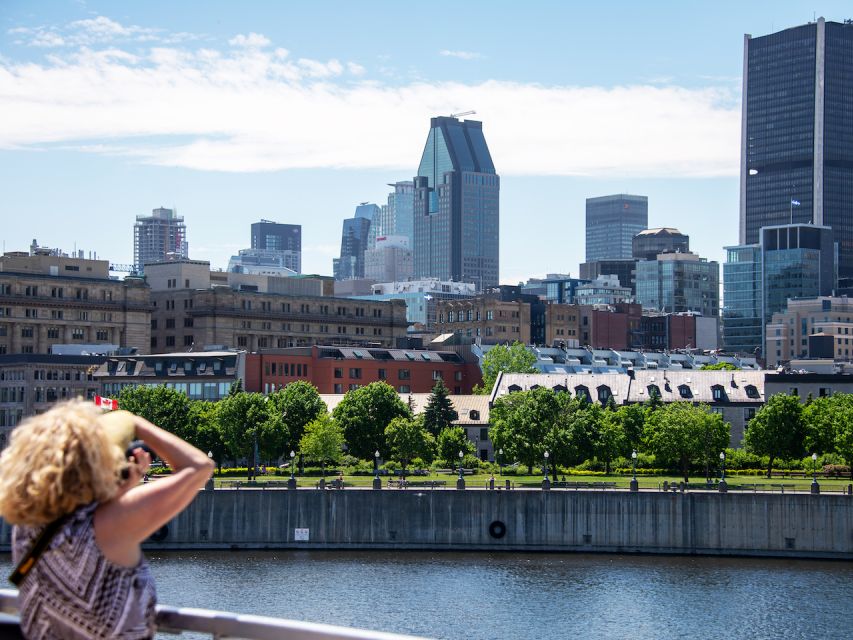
223, 624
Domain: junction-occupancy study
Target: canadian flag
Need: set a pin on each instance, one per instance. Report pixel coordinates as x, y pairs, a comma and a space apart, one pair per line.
106, 403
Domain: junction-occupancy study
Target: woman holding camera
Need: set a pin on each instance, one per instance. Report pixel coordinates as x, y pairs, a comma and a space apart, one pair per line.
80, 514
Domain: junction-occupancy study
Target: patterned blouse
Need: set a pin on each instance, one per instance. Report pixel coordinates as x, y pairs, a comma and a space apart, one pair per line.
73, 592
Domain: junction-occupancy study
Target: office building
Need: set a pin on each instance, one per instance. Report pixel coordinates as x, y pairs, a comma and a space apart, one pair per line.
282, 242
456, 206
354, 242
647, 244
743, 328
790, 261
421, 297
603, 290
819, 327
160, 236
400, 210
52, 300
797, 133
263, 263
611, 224
554, 287
390, 260
624, 269
679, 282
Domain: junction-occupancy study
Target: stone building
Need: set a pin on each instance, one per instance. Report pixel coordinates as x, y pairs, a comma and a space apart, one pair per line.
191, 312
48, 300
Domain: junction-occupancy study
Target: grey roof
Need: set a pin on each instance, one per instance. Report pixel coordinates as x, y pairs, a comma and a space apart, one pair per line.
626, 389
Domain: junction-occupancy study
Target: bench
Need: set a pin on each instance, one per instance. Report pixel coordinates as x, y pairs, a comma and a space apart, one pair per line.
237, 484
781, 487
332, 484
405, 484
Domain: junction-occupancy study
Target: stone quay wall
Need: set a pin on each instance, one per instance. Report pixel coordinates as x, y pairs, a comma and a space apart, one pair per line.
747, 524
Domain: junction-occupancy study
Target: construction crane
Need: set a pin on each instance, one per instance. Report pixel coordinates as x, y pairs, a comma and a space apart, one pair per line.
464, 113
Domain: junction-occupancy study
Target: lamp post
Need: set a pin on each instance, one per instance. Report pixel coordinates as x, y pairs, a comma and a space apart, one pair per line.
460, 482
377, 483
815, 485
634, 485
723, 486
291, 484
501, 460
546, 483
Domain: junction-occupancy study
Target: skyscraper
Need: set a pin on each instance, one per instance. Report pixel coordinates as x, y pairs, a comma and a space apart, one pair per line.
158, 237
611, 224
284, 239
456, 206
400, 210
797, 133
354, 242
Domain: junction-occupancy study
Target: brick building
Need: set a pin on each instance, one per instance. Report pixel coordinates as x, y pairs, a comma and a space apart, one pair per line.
47, 300
339, 369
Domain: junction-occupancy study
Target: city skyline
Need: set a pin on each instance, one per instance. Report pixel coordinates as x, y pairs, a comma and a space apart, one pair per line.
120, 111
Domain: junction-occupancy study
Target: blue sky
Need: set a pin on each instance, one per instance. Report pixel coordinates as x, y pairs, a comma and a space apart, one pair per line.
296, 112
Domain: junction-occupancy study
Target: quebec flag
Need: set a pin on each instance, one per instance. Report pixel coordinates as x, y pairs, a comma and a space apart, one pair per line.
795, 203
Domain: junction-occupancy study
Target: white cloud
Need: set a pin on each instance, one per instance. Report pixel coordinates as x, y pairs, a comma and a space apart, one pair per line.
253, 108
94, 31
462, 55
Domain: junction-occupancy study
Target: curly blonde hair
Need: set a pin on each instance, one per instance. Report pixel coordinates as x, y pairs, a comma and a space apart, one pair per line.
57, 462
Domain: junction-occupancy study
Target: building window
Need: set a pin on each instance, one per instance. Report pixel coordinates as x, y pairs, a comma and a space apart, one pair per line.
685, 392
170, 323
102, 335
170, 341
339, 388
404, 388
404, 374
383, 374
242, 341
752, 391
355, 373
188, 341
339, 373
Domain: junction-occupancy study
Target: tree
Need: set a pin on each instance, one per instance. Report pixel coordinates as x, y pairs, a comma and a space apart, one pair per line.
521, 421
407, 439
612, 442
241, 419
844, 442
208, 435
364, 413
681, 433
582, 422
777, 430
632, 418
323, 441
165, 407
296, 405
439, 412
450, 442
824, 419
514, 358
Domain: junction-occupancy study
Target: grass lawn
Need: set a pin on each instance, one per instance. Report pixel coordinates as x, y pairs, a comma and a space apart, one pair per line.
535, 481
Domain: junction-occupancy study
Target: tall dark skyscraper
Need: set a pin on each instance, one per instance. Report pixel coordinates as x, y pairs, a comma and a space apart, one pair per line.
456, 206
273, 236
611, 224
797, 133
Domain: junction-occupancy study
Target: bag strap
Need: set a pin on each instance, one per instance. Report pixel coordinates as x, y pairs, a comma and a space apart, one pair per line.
35, 552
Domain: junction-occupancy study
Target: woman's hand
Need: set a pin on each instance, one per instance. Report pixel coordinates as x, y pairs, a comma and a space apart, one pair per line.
138, 465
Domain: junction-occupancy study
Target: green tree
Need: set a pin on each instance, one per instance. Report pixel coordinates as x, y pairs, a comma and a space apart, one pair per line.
323, 441
450, 442
612, 441
364, 413
578, 433
297, 404
208, 435
824, 419
844, 440
165, 407
681, 433
632, 418
407, 439
241, 419
514, 358
521, 421
777, 430
439, 412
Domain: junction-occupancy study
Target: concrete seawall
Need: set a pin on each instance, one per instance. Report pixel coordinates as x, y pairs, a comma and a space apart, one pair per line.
749, 524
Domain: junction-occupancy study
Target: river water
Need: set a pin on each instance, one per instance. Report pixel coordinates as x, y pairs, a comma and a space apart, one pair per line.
519, 595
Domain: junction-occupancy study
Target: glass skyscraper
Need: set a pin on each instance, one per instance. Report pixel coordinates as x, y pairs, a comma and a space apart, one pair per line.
611, 224
284, 239
456, 206
743, 329
679, 282
797, 133
354, 242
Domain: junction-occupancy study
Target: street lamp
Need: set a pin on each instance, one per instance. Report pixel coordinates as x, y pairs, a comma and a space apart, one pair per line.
546, 483
815, 485
501, 460
723, 486
377, 483
634, 485
291, 484
460, 482
209, 484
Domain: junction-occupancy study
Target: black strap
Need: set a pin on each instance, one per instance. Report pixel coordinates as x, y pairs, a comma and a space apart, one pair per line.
30, 557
